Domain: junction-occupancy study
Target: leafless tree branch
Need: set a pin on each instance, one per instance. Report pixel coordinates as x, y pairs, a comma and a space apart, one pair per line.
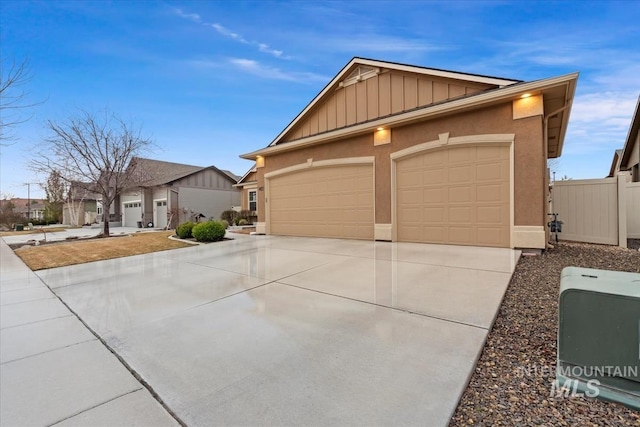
93, 150
13, 77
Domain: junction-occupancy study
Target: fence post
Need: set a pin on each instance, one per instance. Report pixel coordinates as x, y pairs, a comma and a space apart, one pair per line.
622, 211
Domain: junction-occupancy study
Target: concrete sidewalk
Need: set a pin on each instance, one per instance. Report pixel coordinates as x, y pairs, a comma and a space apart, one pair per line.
56, 236
53, 370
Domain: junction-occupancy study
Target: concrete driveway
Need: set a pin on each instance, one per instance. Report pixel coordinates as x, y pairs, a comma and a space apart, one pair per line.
267, 330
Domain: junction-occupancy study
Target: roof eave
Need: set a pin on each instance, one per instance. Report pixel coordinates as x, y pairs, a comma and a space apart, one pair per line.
634, 128
501, 82
477, 100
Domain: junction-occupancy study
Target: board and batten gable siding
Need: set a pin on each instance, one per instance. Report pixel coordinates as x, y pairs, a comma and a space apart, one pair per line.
588, 209
207, 178
383, 95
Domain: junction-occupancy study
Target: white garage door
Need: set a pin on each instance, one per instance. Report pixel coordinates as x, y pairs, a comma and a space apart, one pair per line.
335, 201
458, 195
132, 214
160, 213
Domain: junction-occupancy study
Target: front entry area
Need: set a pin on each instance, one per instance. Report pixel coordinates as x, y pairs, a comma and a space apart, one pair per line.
330, 201
160, 213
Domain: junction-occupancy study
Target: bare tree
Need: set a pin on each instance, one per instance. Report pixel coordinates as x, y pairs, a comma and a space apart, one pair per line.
55, 189
8, 217
13, 76
95, 151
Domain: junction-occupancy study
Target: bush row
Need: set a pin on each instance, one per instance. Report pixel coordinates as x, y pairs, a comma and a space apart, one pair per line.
238, 218
209, 231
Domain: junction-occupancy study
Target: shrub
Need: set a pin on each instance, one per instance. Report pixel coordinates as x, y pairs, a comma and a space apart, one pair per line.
242, 221
184, 230
210, 231
229, 216
225, 223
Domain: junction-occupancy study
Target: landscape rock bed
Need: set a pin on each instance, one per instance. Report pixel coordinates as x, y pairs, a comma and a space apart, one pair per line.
501, 391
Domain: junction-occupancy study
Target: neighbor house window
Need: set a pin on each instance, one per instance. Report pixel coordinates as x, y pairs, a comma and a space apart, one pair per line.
253, 200
99, 208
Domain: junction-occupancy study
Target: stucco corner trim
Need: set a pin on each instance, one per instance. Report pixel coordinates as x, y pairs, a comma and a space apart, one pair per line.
321, 163
529, 237
382, 232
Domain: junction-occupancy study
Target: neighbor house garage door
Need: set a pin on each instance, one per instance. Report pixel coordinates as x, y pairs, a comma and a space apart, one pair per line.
458, 195
132, 214
333, 201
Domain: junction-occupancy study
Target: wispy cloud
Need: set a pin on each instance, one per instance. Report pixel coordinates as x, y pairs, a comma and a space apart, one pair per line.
599, 122
226, 32
191, 16
268, 72
266, 49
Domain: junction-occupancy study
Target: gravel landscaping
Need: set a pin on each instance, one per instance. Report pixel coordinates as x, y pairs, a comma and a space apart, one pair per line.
524, 335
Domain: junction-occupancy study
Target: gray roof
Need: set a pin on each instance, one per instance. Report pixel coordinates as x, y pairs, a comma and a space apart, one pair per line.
152, 173
231, 175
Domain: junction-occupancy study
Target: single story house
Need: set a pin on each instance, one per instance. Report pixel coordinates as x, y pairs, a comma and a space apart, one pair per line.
82, 206
396, 152
170, 193
627, 160
28, 208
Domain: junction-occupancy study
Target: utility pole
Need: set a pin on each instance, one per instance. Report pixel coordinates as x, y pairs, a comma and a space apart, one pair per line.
28, 184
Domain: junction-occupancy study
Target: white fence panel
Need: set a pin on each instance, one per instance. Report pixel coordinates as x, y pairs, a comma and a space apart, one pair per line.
588, 209
633, 210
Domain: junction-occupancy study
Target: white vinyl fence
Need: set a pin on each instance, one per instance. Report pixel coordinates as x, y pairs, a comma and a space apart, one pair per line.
633, 210
598, 210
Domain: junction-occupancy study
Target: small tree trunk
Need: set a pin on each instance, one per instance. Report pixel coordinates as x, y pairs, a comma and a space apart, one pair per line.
106, 208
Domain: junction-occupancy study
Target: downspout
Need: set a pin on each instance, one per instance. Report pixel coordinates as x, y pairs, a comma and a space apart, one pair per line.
546, 154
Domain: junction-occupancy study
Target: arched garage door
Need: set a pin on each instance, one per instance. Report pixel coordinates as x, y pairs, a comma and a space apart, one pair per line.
458, 195
330, 201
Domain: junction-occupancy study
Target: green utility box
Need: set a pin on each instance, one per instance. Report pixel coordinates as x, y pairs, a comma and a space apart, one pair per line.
599, 334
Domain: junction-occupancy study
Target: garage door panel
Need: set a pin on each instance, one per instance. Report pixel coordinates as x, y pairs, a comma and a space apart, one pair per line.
458, 156
323, 202
459, 194
463, 196
431, 176
490, 215
461, 215
461, 235
460, 174
489, 172
489, 193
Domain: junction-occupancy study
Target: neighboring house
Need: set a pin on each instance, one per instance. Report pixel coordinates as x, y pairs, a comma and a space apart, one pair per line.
404, 153
82, 206
248, 184
628, 159
28, 208
169, 193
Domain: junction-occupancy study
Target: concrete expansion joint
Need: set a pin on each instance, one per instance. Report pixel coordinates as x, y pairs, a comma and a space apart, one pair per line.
93, 407
48, 351
35, 321
383, 306
124, 363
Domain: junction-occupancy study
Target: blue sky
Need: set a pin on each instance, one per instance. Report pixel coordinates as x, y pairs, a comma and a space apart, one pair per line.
211, 80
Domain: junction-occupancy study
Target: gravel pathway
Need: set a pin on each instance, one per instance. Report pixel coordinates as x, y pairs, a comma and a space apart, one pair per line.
500, 392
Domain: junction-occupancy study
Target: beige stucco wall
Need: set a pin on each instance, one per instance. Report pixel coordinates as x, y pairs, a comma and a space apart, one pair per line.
529, 157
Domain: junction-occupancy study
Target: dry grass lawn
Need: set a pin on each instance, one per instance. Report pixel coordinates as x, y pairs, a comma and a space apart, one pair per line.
36, 230
81, 251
